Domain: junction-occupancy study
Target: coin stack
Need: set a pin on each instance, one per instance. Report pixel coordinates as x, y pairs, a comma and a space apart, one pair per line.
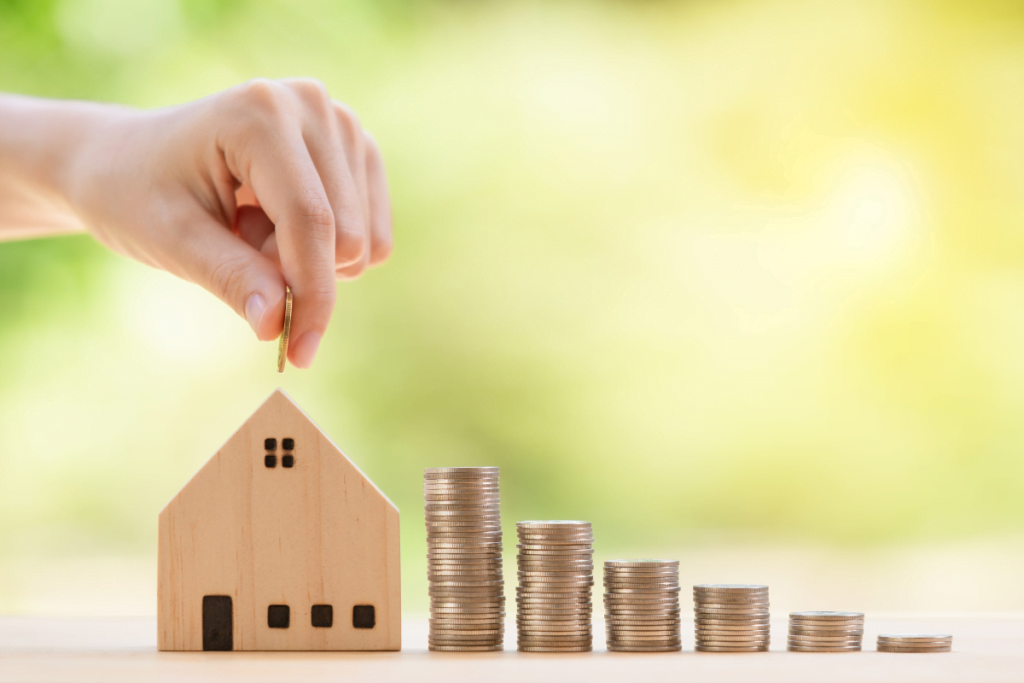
825, 631
641, 605
556, 572
731, 618
467, 598
915, 643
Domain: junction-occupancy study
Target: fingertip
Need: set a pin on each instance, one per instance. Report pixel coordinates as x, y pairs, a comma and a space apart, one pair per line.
305, 348
272, 321
255, 308
350, 247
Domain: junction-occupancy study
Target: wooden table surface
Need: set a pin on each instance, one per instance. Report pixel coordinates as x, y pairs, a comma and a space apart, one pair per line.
986, 648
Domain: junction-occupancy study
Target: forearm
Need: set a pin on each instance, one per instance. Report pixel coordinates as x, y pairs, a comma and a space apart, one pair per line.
39, 143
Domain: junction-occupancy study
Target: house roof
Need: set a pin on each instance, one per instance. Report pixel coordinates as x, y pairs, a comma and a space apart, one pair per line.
277, 402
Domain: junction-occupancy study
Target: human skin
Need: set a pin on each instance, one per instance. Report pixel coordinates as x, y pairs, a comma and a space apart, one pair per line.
241, 192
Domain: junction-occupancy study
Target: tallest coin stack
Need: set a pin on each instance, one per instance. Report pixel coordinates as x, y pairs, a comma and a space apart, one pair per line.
467, 599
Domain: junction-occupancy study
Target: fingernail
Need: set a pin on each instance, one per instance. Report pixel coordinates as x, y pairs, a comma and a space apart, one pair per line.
255, 305
305, 349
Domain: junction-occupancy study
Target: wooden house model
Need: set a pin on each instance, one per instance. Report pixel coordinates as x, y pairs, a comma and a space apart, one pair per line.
279, 543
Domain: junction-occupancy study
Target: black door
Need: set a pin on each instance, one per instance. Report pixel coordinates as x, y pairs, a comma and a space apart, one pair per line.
217, 623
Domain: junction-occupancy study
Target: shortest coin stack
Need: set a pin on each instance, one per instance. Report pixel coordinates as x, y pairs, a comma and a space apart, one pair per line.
556, 572
924, 642
641, 605
731, 618
825, 631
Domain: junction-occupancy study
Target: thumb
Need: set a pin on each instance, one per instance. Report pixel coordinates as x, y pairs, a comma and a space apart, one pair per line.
222, 263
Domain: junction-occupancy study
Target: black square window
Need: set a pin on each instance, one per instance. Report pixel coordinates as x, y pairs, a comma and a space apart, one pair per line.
287, 460
270, 460
288, 444
278, 616
270, 444
363, 616
323, 616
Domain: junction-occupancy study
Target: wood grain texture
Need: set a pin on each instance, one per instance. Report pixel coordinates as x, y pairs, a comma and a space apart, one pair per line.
316, 533
986, 649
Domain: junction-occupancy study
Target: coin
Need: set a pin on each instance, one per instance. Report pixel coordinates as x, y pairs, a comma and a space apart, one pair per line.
827, 616
632, 642
828, 648
734, 645
659, 633
810, 640
282, 346
914, 638
717, 628
719, 648
824, 630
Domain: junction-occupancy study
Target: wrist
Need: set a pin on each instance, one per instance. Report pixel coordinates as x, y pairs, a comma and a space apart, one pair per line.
44, 147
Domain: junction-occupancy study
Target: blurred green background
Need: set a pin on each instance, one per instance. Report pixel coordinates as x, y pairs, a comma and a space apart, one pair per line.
733, 274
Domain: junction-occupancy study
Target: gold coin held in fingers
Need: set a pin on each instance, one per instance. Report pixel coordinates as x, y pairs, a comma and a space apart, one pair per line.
282, 348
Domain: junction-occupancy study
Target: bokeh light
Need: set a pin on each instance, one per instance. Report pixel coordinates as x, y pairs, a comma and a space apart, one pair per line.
740, 281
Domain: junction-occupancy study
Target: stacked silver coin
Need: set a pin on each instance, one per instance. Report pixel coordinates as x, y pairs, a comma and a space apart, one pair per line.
731, 618
825, 631
556, 573
641, 605
467, 597
923, 642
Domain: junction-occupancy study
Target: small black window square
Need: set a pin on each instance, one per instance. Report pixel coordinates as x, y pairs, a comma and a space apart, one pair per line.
270, 444
270, 460
288, 444
363, 616
323, 616
278, 616
287, 460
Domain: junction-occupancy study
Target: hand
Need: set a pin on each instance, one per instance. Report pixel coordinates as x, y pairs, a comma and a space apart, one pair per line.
270, 182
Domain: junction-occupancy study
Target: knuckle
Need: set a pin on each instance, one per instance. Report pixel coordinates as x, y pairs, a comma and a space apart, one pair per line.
316, 211
262, 94
313, 94
262, 109
321, 293
350, 246
227, 279
370, 143
350, 128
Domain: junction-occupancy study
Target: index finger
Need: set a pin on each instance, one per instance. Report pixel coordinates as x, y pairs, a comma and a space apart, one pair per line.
285, 180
